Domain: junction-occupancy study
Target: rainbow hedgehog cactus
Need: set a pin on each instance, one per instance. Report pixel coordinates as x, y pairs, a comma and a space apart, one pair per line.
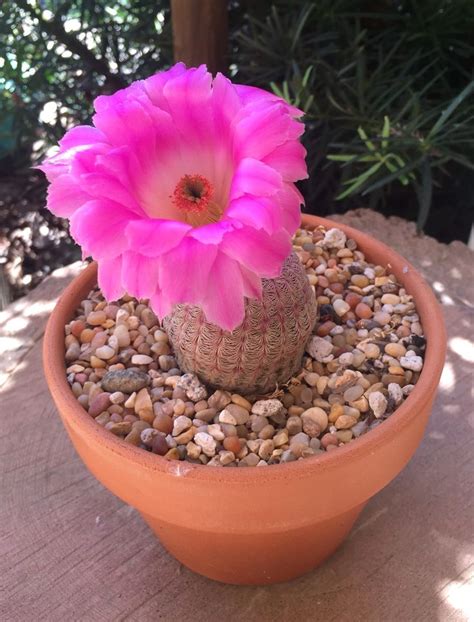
183, 192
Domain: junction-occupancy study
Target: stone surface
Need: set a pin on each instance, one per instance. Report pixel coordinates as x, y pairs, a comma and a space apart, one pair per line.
71, 550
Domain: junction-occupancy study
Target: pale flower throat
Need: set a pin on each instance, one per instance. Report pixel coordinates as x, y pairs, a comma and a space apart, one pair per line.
193, 196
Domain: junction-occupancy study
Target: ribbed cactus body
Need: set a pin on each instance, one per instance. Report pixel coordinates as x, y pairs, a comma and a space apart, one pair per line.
266, 350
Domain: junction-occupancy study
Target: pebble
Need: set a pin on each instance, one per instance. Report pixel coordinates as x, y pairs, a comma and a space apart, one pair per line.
125, 380
232, 443
206, 442
96, 318
363, 311
360, 364
191, 384
268, 408
382, 318
415, 363
241, 401
181, 424
141, 359
105, 352
159, 445
239, 414
378, 403
147, 435
319, 349
353, 393
317, 416
99, 403
341, 307
395, 392
334, 238
345, 421
395, 349
219, 399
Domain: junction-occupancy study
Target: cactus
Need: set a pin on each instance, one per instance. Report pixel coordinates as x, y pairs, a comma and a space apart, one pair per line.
265, 351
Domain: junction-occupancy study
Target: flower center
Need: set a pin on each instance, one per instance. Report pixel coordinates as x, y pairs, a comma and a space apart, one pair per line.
193, 197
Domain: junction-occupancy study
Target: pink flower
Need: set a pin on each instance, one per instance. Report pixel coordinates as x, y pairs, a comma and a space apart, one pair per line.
183, 190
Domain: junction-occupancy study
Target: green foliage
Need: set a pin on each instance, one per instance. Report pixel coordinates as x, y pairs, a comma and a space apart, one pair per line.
387, 92
387, 86
63, 53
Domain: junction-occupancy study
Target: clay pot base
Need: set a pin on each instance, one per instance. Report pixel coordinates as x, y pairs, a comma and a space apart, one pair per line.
231, 524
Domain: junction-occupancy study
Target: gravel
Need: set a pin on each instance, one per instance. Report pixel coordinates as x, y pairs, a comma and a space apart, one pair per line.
361, 363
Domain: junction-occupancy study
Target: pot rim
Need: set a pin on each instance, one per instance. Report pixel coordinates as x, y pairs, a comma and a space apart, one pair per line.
431, 318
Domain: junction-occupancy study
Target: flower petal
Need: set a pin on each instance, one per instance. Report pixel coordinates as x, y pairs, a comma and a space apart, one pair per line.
81, 135
254, 177
258, 212
65, 196
224, 301
252, 95
153, 238
99, 185
99, 227
289, 160
252, 283
290, 200
140, 274
185, 271
155, 84
258, 251
260, 133
108, 278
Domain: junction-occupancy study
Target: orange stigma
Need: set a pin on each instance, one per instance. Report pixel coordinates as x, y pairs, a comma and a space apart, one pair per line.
192, 196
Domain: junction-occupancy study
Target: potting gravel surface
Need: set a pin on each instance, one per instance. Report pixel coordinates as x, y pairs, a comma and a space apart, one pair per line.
361, 363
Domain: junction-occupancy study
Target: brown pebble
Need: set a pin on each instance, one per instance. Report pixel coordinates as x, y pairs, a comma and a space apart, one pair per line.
344, 422
363, 311
266, 432
121, 428
353, 299
294, 425
96, 318
206, 415
232, 443
329, 439
99, 403
159, 445
133, 437
77, 327
163, 423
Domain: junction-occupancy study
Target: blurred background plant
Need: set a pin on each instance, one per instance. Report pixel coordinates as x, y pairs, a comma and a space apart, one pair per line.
388, 94
387, 88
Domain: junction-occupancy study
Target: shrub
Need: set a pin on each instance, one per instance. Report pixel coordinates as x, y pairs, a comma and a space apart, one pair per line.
388, 93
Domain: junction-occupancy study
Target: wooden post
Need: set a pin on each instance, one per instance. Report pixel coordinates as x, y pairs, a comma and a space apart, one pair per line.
200, 33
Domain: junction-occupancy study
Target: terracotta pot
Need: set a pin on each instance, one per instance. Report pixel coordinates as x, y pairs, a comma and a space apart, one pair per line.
254, 525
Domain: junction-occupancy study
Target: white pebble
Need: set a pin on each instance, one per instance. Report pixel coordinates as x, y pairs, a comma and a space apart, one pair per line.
378, 403
181, 424
340, 307
267, 408
334, 238
141, 359
117, 398
122, 335
206, 442
369, 273
396, 393
346, 359
216, 432
105, 352
320, 349
147, 436
415, 363
226, 417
